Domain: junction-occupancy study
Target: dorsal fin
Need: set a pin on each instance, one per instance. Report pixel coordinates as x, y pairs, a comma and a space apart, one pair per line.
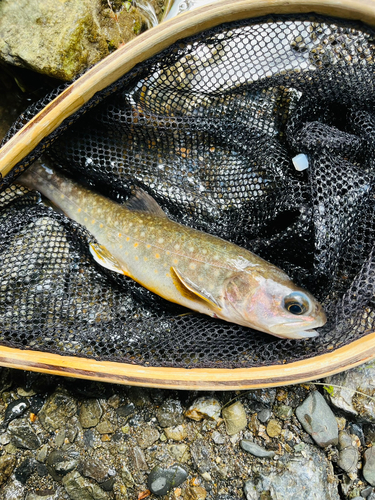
143, 202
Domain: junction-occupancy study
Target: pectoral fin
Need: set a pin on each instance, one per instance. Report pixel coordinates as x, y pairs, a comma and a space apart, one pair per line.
189, 289
106, 259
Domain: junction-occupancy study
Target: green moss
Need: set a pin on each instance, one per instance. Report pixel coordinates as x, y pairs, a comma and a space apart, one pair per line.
137, 27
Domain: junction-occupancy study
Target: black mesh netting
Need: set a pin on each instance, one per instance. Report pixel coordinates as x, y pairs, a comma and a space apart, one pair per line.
209, 128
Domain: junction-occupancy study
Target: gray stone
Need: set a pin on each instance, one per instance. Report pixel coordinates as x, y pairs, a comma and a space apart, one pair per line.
180, 452
90, 413
161, 480
79, 488
203, 455
57, 411
218, 438
25, 470
255, 449
127, 476
147, 437
7, 464
346, 398
369, 466
60, 463
42, 453
305, 477
250, 491
366, 492
264, 415
349, 455
318, 420
170, 413
235, 418
23, 435
204, 407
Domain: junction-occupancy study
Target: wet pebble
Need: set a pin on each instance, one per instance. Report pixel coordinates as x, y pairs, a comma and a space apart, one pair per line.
274, 428
369, 466
14, 410
125, 411
7, 464
14, 491
255, 449
203, 407
60, 463
147, 437
25, 470
47, 495
180, 452
349, 455
97, 469
264, 415
235, 418
80, 488
318, 420
178, 433
284, 412
161, 480
57, 411
202, 455
138, 458
23, 435
250, 491
90, 413
195, 492
218, 438
170, 413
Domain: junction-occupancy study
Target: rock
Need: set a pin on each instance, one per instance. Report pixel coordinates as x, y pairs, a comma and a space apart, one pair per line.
346, 398
274, 428
25, 470
97, 469
203, 407
284, 412
202, 455
195, 492
318, 420
57, 411
369, 466
177, 433
250, 491
14, 410
235, 418
170, 413
138, 458
306, 477
7, 464
125, 411
218, 438
90, 413
79, 488
13, 491
89, 438
255, 449
366, 492
61, 39
349, 455
59, 463
148, 437
105, 427
179, 452
161, 480
23, 435
53, 495
264, 415
127, 476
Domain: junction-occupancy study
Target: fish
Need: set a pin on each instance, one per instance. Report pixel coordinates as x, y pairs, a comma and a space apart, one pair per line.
183, 265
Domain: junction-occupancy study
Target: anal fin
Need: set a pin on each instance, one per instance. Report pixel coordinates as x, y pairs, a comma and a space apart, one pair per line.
103, 257
189, 289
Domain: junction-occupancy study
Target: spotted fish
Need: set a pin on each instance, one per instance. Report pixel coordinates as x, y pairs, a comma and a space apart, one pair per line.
197, 270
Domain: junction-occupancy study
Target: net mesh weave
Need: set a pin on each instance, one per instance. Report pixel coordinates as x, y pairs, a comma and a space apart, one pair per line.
209, 128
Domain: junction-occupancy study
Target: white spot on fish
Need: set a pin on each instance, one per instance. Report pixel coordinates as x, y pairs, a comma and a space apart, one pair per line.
191, 249
161, 240
192, 265
177, 246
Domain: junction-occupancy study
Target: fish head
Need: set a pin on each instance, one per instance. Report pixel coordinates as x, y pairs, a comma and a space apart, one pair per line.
273, 304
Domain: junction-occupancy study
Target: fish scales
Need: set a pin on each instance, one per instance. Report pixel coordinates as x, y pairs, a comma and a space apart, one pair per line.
183, 265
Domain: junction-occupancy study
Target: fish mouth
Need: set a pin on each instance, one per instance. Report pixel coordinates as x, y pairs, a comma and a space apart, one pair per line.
301, 334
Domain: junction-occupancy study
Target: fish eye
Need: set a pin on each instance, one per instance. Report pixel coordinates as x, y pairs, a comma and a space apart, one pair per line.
296, 303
